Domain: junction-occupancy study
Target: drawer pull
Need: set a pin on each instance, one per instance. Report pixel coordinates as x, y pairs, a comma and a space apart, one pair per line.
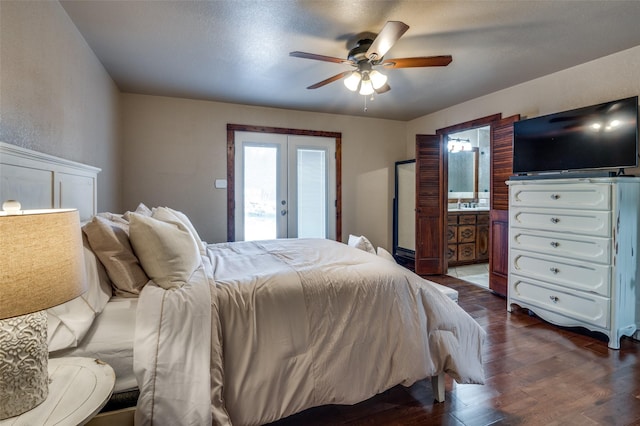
554, 244
555, 196
554, 299
555, 220
554, 270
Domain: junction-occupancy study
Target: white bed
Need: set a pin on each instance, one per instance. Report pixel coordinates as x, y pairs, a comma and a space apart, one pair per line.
294, 324
110, 339
240, 333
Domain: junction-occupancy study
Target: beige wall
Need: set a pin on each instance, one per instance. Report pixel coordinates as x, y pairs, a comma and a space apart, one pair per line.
55, 96
612, 77
174, 149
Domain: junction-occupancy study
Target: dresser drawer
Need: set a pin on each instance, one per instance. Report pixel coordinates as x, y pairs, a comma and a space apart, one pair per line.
565, 272
585, 307
596, 223
590, 249
567, 196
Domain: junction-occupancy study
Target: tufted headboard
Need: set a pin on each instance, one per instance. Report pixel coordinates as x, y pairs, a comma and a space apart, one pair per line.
43, 181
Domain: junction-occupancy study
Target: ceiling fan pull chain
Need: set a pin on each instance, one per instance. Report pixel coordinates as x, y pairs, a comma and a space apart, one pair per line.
365, 103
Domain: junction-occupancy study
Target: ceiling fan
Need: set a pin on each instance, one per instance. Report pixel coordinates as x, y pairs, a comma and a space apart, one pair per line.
369, 54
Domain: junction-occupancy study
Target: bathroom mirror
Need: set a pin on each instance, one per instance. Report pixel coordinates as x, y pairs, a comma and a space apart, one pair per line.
463, 174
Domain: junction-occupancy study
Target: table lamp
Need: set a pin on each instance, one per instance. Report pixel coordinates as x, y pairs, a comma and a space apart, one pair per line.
41, 266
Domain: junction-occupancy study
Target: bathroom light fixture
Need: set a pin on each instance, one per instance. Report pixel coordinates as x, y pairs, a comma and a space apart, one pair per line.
458, 144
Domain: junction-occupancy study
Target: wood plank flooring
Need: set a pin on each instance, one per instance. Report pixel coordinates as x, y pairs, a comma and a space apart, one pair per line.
536, 374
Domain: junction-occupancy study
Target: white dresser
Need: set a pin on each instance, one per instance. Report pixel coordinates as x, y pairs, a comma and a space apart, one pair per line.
573, 252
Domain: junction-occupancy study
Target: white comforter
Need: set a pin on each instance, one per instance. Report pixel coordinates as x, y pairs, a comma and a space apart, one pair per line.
267, 329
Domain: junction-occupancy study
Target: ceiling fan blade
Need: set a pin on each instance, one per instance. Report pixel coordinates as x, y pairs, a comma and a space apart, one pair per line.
383, 89
329, 80
387, 37
422, 61
306, 55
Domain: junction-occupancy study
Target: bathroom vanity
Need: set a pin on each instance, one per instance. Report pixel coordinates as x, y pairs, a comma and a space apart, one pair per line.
467, 236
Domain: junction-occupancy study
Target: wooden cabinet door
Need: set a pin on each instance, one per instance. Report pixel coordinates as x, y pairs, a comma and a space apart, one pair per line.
482, 242
431, 206
501, 170
466, 234
467, 252
452, 253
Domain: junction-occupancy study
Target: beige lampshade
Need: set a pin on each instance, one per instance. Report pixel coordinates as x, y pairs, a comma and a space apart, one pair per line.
41, 260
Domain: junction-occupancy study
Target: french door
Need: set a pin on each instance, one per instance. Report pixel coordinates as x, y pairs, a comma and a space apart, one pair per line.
285, 186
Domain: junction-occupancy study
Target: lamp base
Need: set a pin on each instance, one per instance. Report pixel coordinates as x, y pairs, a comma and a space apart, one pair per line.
24, 354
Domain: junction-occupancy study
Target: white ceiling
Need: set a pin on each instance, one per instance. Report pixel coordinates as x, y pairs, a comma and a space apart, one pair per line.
238, 50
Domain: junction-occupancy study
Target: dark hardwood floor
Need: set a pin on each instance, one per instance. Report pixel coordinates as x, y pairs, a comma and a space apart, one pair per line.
536, 374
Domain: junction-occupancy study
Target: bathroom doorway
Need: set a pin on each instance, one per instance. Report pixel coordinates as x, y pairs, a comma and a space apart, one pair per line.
468, 195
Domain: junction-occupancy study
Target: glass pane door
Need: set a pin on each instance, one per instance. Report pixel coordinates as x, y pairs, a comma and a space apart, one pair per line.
312, 193
312, 187
284, 186
260, 192
260, 186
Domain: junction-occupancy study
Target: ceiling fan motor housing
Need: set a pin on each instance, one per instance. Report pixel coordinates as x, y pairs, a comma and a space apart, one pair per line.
359, 53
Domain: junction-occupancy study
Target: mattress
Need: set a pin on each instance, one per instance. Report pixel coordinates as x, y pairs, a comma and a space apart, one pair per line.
110, 339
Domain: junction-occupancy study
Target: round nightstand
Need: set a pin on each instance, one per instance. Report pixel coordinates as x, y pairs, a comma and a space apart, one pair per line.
78, 389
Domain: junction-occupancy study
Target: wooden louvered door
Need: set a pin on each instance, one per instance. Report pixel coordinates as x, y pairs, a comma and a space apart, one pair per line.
501, 171
431, 205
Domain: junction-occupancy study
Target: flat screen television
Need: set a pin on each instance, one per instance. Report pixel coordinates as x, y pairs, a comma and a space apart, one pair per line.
597, 137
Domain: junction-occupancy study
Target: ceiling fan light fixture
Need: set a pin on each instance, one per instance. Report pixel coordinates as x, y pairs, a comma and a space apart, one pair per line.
352, 81
369, 53
366, 86
377, 79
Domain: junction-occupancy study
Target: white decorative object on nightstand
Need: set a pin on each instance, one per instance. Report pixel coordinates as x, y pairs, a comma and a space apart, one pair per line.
573, 252
78, 389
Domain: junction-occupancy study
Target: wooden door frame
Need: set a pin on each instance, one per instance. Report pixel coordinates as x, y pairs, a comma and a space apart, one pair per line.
232, 128
488, 120
468, 125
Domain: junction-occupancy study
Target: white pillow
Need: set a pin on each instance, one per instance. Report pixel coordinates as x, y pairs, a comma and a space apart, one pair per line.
361, 243
141, 209
109, 241
167, 214
385, 254
166, 250
68, 323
